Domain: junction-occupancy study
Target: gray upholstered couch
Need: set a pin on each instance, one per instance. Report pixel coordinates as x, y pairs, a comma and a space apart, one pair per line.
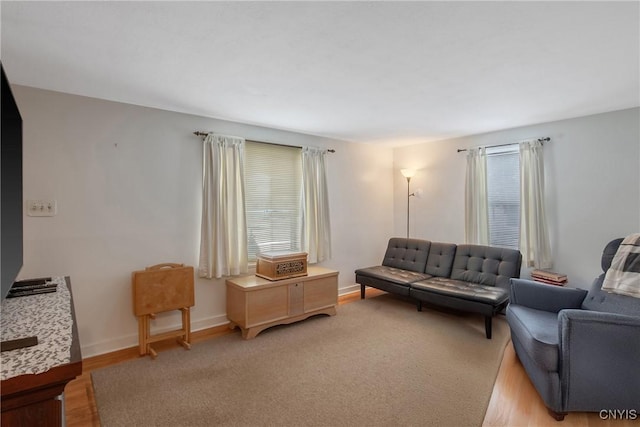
581, 349
464, 277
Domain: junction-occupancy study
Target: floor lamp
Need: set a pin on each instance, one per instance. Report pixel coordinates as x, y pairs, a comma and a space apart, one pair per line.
408, 173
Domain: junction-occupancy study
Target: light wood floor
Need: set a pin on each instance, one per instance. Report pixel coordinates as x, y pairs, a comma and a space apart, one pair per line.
514, 401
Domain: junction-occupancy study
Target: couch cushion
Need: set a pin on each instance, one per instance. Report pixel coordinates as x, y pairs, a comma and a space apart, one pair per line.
486, 265
463, 290
392, 274
599, 300
537, 332
407, 254
440, 260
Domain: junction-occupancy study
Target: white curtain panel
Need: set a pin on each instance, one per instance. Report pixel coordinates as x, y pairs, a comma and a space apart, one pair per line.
223, 239
476, 228
534, 234
316, 226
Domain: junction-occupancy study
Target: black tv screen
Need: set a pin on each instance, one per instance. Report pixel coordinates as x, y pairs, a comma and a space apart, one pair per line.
11, 187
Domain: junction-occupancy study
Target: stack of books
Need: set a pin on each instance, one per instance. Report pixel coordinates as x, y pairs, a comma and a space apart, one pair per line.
549, 277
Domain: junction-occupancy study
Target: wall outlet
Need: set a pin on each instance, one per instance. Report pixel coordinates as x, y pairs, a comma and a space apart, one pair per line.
42, 208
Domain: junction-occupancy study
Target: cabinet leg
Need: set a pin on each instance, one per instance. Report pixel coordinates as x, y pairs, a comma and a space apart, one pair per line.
250, 333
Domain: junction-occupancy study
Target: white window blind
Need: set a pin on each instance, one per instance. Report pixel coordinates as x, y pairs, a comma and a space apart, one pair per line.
273, 181
503, 188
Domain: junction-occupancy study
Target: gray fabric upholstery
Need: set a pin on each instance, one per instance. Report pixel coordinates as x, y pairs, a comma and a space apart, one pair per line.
580, 349
537, 331
609, 252
599, 300
440, 260
547, 384
600, 360
486, 265
407, 254
545, 297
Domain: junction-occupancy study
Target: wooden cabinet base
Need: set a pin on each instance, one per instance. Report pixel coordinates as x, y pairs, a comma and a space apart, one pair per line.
248, 333
255, 304
43, 414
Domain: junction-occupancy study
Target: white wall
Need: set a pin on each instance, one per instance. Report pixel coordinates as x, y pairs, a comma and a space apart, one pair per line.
127, 181
592, 169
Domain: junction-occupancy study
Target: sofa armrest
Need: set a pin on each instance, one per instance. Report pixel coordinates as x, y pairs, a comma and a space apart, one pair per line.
599, 354
545, 297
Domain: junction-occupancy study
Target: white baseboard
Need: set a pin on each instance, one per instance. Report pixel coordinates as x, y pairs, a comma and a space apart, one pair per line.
349, 290
131, 340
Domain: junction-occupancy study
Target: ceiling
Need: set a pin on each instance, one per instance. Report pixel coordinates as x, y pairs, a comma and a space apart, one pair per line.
391, 73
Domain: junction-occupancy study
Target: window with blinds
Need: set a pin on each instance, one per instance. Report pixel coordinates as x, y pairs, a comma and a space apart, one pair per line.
503, 188
273, 185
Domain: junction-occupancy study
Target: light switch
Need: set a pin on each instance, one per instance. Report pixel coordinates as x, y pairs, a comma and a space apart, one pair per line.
42, 208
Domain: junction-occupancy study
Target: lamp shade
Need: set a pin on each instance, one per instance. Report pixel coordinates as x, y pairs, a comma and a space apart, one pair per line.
408, 173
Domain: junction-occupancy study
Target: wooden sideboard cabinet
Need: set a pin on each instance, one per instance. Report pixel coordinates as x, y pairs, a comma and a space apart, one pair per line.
36, 399
255, 304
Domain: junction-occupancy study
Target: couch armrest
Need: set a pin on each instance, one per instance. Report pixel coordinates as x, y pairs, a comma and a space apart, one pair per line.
545, 297
599, 354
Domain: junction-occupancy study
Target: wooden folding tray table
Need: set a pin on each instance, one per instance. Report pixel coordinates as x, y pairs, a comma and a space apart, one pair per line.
157, 289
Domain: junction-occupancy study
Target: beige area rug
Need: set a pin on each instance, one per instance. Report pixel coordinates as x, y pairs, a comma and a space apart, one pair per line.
378, 362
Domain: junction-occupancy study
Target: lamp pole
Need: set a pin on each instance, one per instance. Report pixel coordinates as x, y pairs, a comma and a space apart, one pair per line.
408, 173
408, 197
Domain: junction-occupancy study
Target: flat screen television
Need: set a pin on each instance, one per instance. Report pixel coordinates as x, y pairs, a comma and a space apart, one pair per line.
11, 187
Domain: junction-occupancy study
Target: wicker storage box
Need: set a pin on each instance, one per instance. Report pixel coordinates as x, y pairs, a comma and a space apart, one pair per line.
279, 265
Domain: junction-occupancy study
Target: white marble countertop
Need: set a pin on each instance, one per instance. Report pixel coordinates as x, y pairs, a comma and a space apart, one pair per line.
46, 316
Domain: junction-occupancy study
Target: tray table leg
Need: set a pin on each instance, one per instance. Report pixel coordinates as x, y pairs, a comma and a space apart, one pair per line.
142, 333
185, 340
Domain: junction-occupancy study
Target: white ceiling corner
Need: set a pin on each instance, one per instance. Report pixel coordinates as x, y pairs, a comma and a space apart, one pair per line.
376, 72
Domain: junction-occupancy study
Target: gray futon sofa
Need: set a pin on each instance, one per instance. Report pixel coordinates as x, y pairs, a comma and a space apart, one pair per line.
470, 278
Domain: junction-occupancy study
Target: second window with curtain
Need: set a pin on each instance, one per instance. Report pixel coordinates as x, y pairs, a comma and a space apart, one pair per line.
503, 196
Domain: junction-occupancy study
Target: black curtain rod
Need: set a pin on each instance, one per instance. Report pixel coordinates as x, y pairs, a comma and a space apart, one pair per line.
203, 134
545, 139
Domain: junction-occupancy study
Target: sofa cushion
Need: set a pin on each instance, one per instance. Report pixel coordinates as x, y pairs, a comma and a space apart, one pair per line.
537, 332
486, 265
440, 260
599, 300
407, 254
392, 274
463, 290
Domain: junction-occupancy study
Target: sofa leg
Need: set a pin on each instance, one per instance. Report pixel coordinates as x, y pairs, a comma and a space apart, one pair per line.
558, 416
419, 305
362, 291
487, 326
